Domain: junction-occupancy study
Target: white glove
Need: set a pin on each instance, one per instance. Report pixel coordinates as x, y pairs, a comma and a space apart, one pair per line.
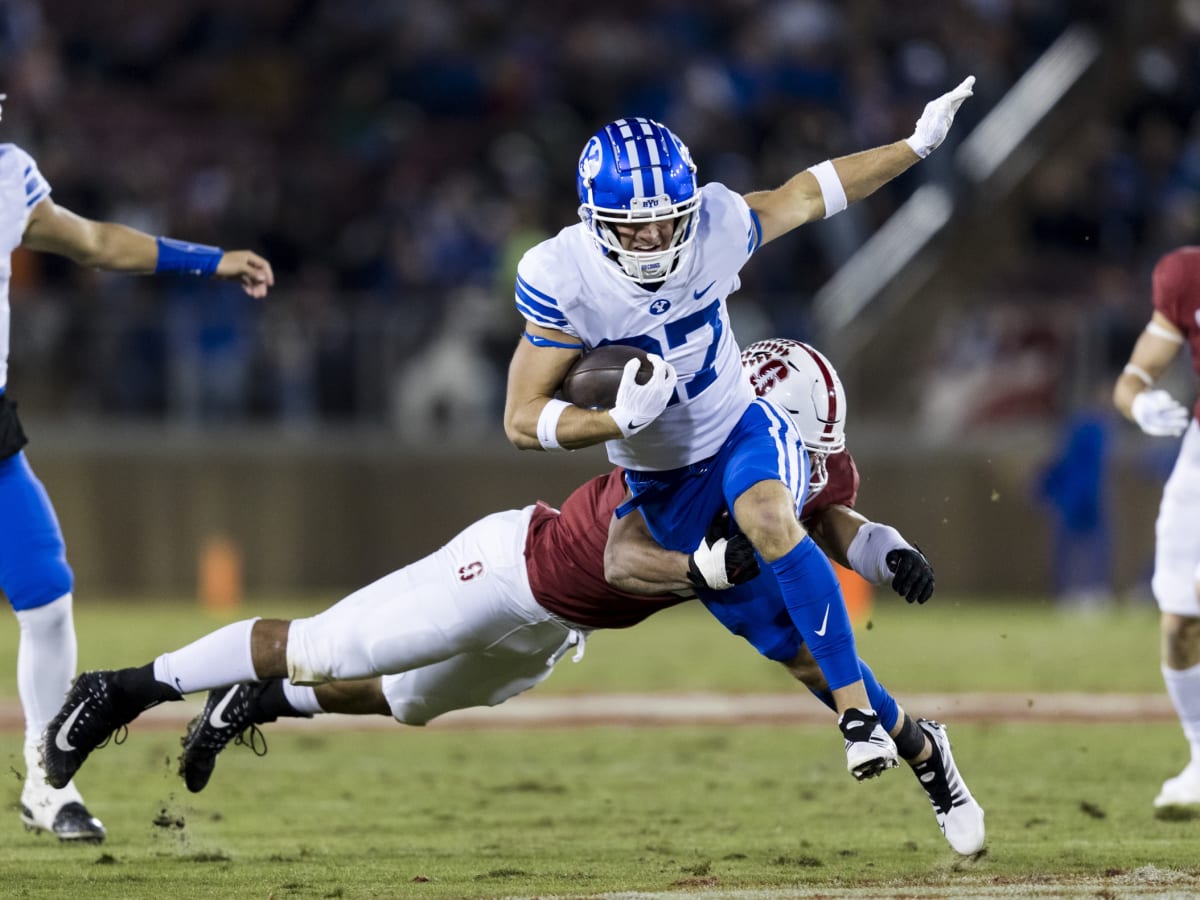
934, 124
640, 404
1159, 414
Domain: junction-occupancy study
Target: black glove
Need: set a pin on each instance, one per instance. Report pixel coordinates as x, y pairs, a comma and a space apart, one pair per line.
913, 574
720, 562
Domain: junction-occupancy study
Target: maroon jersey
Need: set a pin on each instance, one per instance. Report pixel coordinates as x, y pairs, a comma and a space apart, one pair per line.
564, 551
840, 490
1176, 289
565, 557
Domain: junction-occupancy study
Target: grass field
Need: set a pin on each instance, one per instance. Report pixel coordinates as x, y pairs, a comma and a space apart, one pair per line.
753, 810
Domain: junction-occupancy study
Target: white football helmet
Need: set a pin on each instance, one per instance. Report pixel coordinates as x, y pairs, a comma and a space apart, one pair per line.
802, 381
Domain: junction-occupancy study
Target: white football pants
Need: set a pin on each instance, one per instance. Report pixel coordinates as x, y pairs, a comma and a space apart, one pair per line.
458, 628
1177, 536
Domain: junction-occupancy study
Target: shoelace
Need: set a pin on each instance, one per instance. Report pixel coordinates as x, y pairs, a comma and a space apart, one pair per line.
256, 739
118, 736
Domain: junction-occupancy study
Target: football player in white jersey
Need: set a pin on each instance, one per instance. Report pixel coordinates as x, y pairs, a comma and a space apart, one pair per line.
1174, 325
652, 264
34, 573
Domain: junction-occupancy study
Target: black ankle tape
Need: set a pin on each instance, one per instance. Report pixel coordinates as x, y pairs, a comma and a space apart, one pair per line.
273, 703
911, 739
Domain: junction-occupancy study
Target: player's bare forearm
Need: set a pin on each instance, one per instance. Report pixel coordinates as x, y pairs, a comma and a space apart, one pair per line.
799, 200
862, 174
534, 376
1155, 350
636, 563
833, 529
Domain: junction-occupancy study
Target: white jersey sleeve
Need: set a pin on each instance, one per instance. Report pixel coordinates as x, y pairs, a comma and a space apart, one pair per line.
22, 187
567, 283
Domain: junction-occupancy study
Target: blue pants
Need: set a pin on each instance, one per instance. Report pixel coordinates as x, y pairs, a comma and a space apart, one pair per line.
33, 555
679, 505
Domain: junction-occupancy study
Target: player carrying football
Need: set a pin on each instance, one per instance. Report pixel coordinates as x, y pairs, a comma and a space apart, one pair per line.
652, 264
489, 615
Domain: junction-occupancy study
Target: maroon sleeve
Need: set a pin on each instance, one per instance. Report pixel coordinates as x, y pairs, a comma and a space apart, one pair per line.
842, 488
1170, 283
564, 555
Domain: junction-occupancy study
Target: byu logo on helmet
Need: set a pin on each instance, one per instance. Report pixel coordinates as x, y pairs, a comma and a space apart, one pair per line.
589, 160
634, 172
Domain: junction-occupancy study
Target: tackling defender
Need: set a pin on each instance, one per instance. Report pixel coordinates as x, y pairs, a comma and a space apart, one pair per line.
490, 614
34, 573
652, 264
1174, 324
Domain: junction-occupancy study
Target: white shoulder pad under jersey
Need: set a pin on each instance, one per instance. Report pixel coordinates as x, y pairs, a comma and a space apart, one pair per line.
22, 187
567, 283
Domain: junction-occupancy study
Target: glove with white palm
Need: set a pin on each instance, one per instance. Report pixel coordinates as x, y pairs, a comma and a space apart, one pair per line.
720, 562
1158, 413
640, 404
935, 121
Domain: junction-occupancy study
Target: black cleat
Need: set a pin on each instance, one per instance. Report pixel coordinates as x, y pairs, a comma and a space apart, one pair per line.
228, 715
87, 720
71, 823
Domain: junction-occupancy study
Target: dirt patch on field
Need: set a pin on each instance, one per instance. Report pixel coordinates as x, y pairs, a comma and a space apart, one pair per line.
557, 710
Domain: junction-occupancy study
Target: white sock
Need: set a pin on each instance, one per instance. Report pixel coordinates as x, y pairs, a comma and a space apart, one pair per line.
1184, 690
46, 658
303, 698
216, 660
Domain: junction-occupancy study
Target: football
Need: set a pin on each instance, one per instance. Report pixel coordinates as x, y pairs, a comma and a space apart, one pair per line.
593, 380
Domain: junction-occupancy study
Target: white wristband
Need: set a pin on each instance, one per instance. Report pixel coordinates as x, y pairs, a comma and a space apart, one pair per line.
548, 424
1139, 373
867, 553
1165, 333
832, 191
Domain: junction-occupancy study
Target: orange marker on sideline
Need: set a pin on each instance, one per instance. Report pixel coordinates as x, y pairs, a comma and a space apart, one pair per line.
219, 574
859, 594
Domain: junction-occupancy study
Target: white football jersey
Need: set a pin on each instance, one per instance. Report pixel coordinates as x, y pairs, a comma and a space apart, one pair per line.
566, 283
22, 187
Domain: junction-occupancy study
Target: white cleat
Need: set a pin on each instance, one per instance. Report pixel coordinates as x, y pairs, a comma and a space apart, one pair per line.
870, 750
1182, 790
59, 812
958, 815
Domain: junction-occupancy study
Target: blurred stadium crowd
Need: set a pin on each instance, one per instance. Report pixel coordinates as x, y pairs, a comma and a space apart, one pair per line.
394, 159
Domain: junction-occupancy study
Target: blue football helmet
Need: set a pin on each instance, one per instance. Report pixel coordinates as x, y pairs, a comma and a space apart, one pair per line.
635, 171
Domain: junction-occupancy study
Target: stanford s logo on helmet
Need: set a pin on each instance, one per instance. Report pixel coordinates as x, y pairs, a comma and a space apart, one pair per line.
634, 171
802, 381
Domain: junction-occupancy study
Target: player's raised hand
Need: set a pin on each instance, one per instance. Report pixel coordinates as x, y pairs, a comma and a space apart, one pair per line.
935, 121
1159, 414
250, 269
640, 404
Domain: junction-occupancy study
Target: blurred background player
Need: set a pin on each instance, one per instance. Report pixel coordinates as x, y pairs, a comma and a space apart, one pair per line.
34, 573
652, 263
490, 614
1174, 324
